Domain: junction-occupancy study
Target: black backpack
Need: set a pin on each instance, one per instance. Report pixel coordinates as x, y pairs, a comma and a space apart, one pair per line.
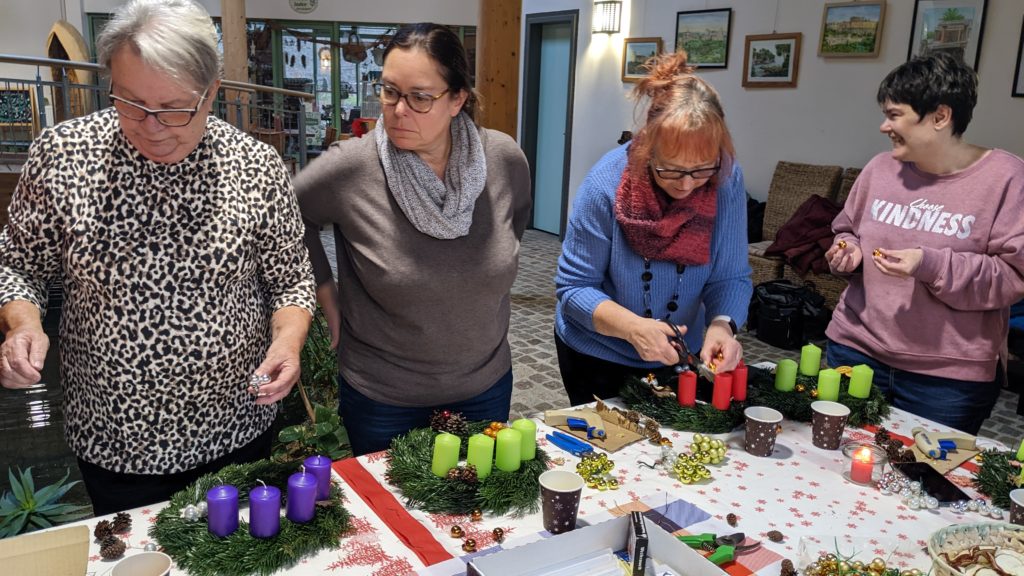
786, 315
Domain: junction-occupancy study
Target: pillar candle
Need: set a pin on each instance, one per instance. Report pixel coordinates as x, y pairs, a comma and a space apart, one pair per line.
861, 465
828, 385
1020, 454
528, 428
446, 453
722, 393
264, 511
509, 452
860, 381
687, 392
739, 382
785, 375
481, 454
222, 510
301, 497
320, 467
810, 360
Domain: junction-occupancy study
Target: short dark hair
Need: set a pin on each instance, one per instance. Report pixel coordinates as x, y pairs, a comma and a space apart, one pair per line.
445, 48
926, 82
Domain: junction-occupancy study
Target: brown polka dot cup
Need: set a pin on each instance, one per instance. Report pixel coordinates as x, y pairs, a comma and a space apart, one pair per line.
762, 429
1017, 506
560, 492
828, 423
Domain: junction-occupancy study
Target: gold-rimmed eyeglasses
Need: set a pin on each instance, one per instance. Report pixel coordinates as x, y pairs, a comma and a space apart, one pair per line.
170, 117
421, 102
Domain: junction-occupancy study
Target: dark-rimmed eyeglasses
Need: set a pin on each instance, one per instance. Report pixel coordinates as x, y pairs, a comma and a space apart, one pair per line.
170, 117
420, 102
698, 174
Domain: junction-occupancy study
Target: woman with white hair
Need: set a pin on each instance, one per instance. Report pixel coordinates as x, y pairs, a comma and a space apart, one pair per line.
188, 289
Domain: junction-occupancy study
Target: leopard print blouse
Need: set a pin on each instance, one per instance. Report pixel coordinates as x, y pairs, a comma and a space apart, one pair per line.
171, 273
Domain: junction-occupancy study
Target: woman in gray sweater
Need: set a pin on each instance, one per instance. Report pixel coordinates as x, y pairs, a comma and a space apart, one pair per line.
427, 210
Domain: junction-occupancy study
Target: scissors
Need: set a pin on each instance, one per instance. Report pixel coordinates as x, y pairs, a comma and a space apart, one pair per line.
572, 445
687, 361
723, 548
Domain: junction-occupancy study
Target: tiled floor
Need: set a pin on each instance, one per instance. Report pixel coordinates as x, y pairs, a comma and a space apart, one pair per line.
31, 420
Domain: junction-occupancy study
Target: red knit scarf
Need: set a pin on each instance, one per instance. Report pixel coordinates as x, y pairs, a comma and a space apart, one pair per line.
660, 228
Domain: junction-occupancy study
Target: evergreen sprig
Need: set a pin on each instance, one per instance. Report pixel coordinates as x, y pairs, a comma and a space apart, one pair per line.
200, 553
996, 476
703, 418
500, 493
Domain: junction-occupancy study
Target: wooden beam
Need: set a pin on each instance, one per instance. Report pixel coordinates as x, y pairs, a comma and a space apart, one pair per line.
236, 58
497, 63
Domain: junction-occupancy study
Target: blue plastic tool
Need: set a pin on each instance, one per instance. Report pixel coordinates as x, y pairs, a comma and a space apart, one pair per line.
573, 446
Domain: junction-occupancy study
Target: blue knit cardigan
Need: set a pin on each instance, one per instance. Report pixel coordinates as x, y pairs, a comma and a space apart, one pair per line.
598, 264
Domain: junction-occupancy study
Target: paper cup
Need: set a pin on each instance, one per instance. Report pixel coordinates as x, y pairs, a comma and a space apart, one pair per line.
143, 564
1017, 506
828, 424
762, 428
560, 492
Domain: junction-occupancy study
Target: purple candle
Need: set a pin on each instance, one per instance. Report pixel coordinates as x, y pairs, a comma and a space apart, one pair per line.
320, 467
264, 511
301, 497
222, 508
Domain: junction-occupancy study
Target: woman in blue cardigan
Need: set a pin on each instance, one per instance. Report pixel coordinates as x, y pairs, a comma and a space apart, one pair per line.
657, 238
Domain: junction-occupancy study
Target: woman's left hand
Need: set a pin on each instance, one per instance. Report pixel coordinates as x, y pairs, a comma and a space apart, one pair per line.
282, 366
898, 263
721, 348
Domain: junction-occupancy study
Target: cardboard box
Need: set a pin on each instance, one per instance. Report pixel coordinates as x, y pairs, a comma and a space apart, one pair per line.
58, 552
613, 534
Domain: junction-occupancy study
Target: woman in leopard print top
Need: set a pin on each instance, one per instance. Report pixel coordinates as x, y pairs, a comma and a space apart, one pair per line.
179, 243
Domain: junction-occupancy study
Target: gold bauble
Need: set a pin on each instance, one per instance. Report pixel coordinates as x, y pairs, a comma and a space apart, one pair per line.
800, 388
814, 393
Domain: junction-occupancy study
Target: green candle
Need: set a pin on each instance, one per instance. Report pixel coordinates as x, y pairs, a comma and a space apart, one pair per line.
860, 381
446, 453
785, 375
528, 428
1020, 456
481, 454
810, 360
510, 450
828, 385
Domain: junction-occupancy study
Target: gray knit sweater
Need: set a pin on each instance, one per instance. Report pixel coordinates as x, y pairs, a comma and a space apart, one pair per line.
424, 321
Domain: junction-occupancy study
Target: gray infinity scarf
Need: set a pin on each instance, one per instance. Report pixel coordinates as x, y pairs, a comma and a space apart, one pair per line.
443, 210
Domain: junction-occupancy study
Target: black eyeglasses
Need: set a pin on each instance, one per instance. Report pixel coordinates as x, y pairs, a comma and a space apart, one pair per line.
170, 117
698, 174
420, 102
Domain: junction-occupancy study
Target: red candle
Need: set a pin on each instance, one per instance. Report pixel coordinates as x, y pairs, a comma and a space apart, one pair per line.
739, 382
687, 393
861, 465
722, 394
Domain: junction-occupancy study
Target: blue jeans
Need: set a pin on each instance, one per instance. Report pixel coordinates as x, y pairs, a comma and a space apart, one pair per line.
371, 425
959, 404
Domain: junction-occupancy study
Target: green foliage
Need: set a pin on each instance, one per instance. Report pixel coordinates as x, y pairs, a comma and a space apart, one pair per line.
500, 493
24, 509
200, 553
319, 363
996, 476
326, 435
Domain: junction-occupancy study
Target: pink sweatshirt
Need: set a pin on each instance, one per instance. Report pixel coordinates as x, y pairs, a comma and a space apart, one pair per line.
951, 318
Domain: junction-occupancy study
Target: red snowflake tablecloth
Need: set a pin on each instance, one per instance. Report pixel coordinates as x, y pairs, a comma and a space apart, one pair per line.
799, 491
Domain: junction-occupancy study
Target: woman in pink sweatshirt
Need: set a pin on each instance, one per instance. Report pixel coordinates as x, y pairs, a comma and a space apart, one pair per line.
932, 239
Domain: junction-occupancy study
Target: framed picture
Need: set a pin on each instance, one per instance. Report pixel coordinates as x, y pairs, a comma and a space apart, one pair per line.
636, 52
704, 34
953, 26
1018, 75
18, 109
851, 29
771, 60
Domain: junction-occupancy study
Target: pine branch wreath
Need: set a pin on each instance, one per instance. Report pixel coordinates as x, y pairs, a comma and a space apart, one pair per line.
200, 553
500, 493
998, 474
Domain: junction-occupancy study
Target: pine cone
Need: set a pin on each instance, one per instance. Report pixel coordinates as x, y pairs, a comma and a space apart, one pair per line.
122, 522
456, 424
882, 437
731, 519
787, 568
437, 419
468, 474
775, 536
104, 529
113, 547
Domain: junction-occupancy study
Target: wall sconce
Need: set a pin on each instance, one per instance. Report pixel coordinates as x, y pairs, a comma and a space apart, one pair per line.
325, 59
607, 17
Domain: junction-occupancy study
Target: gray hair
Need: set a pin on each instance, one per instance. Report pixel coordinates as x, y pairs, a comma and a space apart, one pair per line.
174, 36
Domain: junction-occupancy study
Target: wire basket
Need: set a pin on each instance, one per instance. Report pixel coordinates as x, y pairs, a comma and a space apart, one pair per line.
952, 540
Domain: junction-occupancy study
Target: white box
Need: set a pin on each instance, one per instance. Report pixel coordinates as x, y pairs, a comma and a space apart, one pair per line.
613, 534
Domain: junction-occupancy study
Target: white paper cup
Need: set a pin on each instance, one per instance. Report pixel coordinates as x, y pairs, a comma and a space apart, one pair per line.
560, 492
143, 564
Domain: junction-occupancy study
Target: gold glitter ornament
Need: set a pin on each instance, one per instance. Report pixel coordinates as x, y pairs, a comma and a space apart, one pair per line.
689, 470
476, 515
800, 387
456, 532
877, 253
877, 566
499, 534
842, 244
814, 393
857, 565
469, 545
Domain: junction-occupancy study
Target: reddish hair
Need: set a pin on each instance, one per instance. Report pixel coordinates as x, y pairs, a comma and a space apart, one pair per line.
685, 116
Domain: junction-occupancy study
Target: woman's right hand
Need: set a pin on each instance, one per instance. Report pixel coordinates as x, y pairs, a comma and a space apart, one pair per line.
21, 357
651, 337
327, 297
844, 257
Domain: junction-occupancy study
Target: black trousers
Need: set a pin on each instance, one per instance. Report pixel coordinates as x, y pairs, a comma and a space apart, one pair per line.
586, 376
115, 491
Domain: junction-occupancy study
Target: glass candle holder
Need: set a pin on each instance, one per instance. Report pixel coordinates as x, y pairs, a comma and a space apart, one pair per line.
864, 462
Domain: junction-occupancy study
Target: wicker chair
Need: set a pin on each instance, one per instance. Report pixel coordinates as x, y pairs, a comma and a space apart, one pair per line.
792, 184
